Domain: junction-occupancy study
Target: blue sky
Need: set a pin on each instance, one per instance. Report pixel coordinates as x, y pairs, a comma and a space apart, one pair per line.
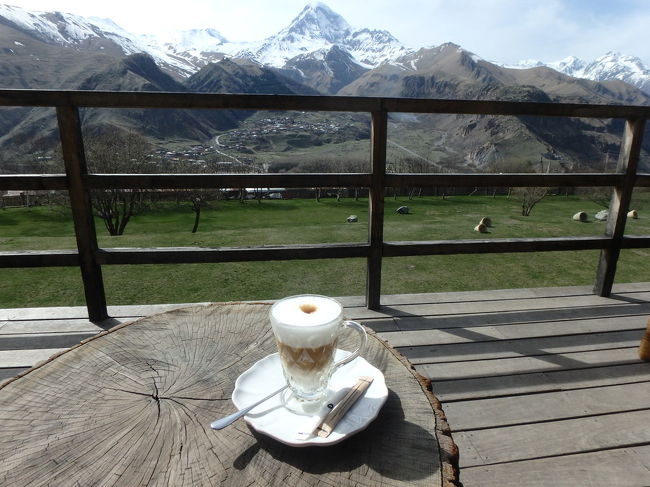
505, 31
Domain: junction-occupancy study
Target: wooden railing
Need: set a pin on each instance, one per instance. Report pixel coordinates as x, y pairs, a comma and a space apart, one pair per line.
79, 183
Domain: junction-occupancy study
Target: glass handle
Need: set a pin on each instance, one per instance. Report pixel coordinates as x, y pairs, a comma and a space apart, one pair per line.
363, 337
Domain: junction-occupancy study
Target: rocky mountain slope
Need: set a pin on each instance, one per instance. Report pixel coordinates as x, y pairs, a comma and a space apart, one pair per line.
25, 128
448, 71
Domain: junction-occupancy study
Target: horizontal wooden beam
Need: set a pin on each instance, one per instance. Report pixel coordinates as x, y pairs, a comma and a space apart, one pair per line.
502, 180
485, 246
39, 258
24, 182
308, 180
196, 255
168, 181
635, 242
642, 180
498, 107
184, 100
185, 255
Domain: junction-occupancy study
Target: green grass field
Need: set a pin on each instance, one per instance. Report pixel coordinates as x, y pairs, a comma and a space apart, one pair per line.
230, 223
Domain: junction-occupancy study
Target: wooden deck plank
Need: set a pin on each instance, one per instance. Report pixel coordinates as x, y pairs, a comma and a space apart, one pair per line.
516, 317
551, 362
610, 468
80, 312
512, 330
45, 340
526, 383
50, 326
518, 293
482, 349
25, 358
9, 372
549, 406
381, 325
643, 454
535, 309
556, 438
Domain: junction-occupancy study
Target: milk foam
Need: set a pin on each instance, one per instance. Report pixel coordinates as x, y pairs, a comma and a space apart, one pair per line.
298, 328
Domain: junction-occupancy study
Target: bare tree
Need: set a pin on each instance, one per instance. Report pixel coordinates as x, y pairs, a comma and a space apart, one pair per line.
117, 151
198, 198
530, 196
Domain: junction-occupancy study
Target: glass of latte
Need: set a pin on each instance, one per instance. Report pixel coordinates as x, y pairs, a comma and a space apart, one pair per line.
306, 329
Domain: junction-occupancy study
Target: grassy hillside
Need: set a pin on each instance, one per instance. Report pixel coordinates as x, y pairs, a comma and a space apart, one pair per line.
229, 223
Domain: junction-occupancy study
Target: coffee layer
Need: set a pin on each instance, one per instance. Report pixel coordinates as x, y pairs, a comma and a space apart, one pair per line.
305, 368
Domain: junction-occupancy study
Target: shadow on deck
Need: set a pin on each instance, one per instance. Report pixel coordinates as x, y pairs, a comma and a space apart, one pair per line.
540, 386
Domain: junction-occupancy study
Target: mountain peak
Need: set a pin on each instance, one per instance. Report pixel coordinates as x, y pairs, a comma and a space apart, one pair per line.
318, 21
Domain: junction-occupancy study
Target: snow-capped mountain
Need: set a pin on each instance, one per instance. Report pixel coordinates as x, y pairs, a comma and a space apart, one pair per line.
319, 28
612, 65
318, 38
316, 28
573, 66
195, 47
93, 34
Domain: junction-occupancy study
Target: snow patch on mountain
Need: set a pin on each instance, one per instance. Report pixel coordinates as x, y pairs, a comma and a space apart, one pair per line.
197, 47
573, 66
193, 41
523, 64
72, 30
33, 21
612, 65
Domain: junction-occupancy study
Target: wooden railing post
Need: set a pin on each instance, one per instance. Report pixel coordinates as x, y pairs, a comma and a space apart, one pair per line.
82, 214
376, 208
619, 206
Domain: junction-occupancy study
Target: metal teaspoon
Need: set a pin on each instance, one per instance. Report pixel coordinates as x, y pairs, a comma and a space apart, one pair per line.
227, 420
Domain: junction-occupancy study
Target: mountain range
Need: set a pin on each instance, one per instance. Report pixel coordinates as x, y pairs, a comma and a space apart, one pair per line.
318, 52
316, 35
611, 65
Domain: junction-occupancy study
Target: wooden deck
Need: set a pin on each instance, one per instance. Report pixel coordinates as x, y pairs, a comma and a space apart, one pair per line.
540, 386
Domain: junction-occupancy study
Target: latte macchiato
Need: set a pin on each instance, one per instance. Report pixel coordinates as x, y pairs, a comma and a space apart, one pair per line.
306, 329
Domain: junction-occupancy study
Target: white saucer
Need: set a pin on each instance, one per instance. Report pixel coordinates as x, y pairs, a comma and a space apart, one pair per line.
276, 421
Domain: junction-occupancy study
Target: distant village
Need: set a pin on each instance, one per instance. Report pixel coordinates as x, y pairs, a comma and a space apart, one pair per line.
212, 156
241, 139
229, 152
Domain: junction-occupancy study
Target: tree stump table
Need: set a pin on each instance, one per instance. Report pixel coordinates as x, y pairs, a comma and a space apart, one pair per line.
132, 406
